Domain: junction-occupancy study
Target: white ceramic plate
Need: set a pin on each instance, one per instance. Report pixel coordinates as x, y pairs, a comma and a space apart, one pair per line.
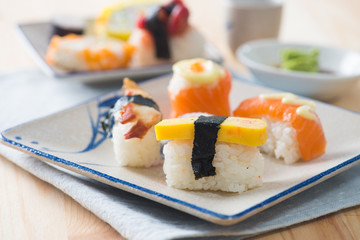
341, 68
73, 139
36, 37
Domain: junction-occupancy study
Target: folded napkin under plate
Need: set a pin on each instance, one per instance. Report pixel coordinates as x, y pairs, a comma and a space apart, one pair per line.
135, 217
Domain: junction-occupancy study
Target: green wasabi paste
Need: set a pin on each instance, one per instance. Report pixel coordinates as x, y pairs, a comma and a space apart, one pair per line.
297, 60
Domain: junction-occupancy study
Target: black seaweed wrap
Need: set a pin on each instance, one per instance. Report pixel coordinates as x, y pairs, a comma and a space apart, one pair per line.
108, 123
157, 25
138, 99
206, 130
60, 31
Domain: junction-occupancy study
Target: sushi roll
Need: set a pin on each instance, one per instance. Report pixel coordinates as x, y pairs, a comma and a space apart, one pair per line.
131, 123
88, 53
199, 85
294, 129
165, 35
213, 152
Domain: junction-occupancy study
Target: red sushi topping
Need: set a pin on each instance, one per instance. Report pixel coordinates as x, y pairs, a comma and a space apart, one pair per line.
178, 19
127, 114
141, 22
137, 131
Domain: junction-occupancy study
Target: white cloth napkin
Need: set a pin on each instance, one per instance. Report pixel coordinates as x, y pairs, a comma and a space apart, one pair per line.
135, 217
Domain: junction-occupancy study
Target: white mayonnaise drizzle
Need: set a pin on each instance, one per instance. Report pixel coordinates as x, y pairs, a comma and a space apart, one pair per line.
306, 108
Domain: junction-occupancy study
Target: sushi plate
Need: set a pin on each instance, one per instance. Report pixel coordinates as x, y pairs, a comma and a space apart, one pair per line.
74, 140
36, 37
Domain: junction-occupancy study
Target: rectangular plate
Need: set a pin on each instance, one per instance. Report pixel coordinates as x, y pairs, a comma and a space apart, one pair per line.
73, 139
36, 37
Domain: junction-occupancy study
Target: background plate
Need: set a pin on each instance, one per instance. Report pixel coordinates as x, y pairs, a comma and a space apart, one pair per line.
36, 37
74, 140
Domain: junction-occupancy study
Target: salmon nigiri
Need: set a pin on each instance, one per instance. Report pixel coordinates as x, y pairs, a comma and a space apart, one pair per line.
294, 129
199, 85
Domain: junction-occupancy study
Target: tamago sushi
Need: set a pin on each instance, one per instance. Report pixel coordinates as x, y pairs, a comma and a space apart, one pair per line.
213, 152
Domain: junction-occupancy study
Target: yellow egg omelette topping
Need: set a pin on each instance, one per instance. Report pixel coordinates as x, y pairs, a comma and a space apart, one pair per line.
246, 131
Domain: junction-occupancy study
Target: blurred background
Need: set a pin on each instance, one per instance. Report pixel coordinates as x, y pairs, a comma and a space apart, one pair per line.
304, 21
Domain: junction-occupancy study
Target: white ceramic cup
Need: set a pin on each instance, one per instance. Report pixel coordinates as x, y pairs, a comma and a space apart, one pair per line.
247, 20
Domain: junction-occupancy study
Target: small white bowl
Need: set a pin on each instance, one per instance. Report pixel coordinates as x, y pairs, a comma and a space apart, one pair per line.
342, 69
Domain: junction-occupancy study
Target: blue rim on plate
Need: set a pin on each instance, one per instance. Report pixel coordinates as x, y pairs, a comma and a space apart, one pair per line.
205, 213
214, 214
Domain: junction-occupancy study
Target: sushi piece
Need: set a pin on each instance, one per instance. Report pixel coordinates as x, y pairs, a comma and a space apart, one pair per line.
213, 152
88, 53
165, 35
199, 85
294, 129
131, 123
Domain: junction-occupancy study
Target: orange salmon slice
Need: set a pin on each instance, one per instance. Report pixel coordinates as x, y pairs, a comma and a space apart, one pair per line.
309, 132
204, 98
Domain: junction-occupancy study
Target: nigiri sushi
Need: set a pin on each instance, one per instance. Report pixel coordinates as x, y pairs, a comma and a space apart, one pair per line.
131, 123
165, 35
199, 85
294, 129
88, 53
213, 152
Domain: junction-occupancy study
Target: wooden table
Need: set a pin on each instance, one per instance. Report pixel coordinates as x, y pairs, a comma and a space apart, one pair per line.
329, 22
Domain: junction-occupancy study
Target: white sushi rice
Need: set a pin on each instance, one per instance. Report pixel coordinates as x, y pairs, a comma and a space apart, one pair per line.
136, 152
238, 167
190, 44
187, 45
281, 142
145, 54
68, 54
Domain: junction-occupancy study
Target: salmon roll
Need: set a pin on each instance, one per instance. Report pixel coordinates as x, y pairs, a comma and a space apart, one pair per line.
213, 152
199, 85
88, 53
294, 129
130, 123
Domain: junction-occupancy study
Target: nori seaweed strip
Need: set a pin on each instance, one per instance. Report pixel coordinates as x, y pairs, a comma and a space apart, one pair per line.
157, 25
206, 130
125, 100
108, 123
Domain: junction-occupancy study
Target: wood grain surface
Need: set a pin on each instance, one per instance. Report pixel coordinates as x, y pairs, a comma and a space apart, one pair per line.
33, 209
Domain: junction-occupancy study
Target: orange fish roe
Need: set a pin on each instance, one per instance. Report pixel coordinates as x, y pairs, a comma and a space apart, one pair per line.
88, 53
105, 59
197, 67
